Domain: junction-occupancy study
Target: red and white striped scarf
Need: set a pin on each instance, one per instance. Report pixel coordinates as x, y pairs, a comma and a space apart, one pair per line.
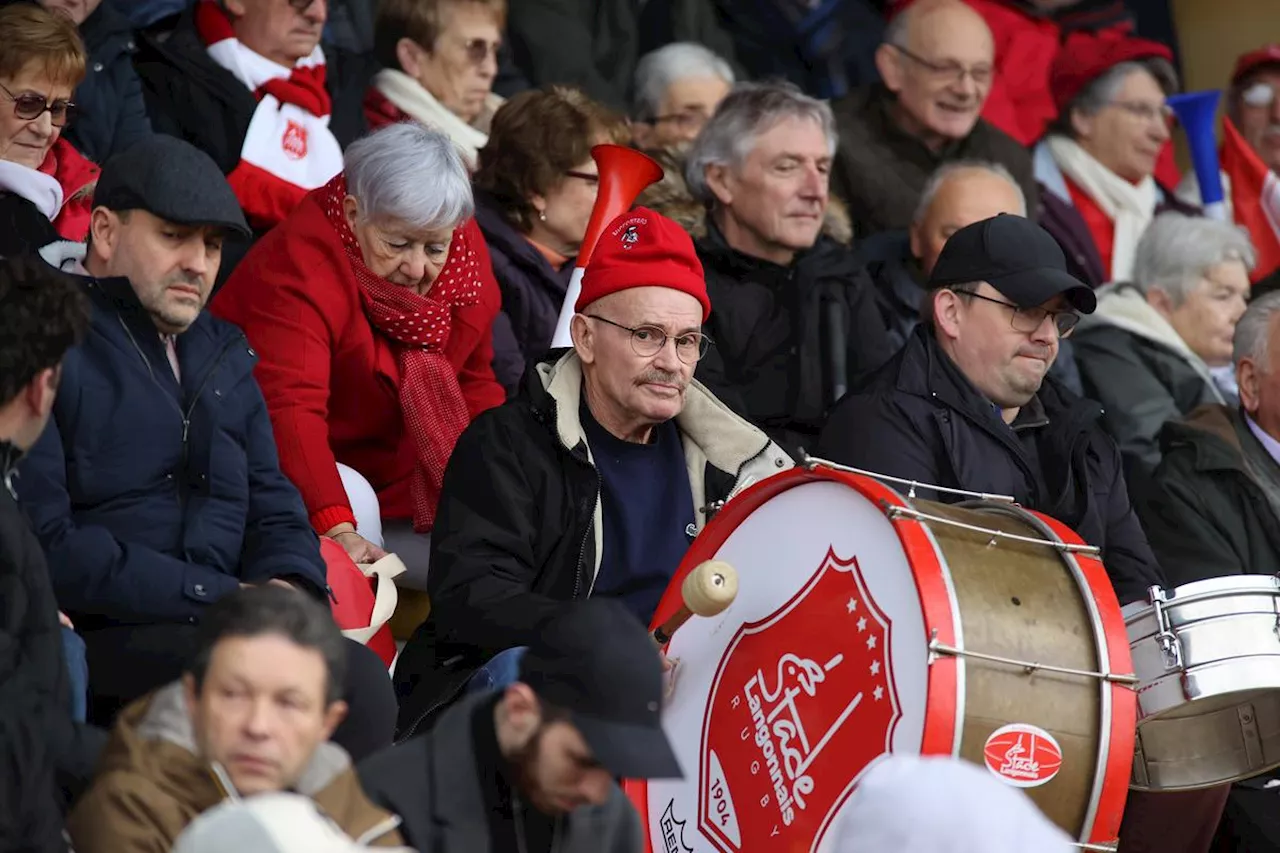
288, 149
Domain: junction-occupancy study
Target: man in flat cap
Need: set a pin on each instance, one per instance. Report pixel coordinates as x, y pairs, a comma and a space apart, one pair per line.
156, 490
592, 482
966, 405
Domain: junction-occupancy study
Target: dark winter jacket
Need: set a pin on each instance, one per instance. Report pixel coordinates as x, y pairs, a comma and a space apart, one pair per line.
591, 44
111, 114
436, 783
1205, 508
532, 290
880, 170
41, 748
519, 524
921, 419
1137, 366
23, 228
772, 358
154, 497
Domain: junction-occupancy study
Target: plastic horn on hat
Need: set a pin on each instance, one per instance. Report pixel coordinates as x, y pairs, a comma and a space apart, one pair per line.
624, 173
1196, 112
707, 591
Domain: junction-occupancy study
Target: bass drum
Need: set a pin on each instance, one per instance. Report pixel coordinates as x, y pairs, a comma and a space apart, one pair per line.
867, 623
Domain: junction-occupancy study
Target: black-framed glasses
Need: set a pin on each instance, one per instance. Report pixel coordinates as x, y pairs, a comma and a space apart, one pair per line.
29, 106
589, 177
1028, 320
648, 341
951, 72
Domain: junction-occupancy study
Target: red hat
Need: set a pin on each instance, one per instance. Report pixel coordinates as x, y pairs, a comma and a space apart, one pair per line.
1255, 59
1085, 57
641, 248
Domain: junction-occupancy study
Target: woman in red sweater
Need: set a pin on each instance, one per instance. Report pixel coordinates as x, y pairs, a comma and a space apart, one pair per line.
371, 306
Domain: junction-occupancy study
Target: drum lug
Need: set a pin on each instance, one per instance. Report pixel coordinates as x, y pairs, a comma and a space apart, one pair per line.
1170, 644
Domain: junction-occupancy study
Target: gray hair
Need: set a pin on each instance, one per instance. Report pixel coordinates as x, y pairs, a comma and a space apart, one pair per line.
750, 110
1103, 89
407, 171
660, 68
1176, 251
1254, 331
954, 169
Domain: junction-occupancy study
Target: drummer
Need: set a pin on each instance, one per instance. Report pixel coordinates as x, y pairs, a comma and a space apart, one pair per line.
966, 405
592, 481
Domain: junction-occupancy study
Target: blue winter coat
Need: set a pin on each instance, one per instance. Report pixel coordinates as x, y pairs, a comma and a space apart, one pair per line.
111, 114
154, 498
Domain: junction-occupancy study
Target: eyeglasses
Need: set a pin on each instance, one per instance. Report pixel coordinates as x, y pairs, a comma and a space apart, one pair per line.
648, 341
688, 122
583, 176
29, 106
1028, 320
951, 72
478, 50
1150, 113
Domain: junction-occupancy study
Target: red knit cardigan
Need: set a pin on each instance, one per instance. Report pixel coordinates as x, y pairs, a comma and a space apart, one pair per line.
330, 381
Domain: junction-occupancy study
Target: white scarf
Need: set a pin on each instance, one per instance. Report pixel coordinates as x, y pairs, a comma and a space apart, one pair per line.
40, 189
411, 98
1130, 206
283, 139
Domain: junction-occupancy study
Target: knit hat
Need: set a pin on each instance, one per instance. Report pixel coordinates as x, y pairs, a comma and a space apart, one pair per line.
267, 823
642, 248
1085, 57
935, 804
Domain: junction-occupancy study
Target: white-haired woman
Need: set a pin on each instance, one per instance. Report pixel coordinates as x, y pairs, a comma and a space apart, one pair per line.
677, 89
372, 321
1149, 351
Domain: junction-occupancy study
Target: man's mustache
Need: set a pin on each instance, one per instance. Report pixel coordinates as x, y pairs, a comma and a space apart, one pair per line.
662, 377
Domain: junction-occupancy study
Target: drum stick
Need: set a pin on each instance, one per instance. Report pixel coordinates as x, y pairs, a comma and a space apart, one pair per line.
707, 591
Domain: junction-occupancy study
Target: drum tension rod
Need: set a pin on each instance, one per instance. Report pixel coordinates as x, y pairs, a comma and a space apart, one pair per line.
937, 648
1066, 547
1110, 847
811, 462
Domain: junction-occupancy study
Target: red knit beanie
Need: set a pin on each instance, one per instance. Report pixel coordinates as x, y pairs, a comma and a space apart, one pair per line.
1085, 57
641, 248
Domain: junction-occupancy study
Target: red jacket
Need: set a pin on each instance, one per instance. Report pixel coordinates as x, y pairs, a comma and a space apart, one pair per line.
330, 381
78, 176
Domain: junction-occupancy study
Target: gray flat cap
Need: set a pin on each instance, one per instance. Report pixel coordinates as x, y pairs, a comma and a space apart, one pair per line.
170, 179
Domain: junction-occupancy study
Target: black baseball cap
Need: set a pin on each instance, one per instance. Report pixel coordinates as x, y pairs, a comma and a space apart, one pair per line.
1015, 256
173, 180
599, 663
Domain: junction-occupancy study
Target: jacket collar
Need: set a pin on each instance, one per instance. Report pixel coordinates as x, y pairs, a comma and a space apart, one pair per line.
714, 250
1215, 434
728, 441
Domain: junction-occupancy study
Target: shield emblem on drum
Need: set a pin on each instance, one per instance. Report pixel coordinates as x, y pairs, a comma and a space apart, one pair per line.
803, 700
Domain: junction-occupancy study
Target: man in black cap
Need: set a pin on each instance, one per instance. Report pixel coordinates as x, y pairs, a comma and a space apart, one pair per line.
531, 769
156, 490
966, 403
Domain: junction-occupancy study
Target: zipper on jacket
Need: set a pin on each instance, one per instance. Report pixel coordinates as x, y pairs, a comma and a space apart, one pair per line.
582, 549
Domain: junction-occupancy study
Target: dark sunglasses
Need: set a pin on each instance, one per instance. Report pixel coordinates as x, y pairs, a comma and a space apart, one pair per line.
29, 106
478, 50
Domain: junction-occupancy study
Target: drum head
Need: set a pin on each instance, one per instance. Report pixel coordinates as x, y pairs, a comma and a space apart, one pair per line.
818, 668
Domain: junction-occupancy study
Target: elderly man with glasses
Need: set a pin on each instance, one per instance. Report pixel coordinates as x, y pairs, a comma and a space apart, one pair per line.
592, 482
937, 63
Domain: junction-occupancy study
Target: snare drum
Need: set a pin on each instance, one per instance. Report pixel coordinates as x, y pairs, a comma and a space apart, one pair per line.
1208, 658
868, 623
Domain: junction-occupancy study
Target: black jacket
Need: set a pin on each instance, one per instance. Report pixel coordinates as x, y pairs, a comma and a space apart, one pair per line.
518, 528
434, 783
772, 359
23, 228
154, 497
111, 114
920, 419
1206, 514
41, 748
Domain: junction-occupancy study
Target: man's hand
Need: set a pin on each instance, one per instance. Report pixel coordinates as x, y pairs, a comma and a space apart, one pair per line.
359, 549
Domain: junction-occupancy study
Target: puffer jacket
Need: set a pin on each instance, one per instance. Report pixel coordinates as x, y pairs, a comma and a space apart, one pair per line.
152, 782
519, 527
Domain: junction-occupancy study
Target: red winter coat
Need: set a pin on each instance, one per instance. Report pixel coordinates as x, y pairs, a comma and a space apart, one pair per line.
78, 176
330, 381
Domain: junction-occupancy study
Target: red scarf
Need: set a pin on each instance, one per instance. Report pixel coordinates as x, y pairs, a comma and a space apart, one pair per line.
435, 412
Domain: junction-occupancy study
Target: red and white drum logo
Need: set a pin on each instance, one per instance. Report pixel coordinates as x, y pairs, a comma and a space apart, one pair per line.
1023, 756
294, 141
802, 701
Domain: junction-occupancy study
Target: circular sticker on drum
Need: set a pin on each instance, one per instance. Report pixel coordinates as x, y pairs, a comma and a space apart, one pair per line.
1023, 756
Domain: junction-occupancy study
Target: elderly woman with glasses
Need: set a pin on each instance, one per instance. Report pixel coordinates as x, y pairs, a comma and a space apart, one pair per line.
45, 185
1155, 347
1096, 165
535, 190
373, 324
439, 59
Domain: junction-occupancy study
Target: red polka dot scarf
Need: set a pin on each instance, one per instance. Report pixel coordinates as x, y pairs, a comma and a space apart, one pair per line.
435, 412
